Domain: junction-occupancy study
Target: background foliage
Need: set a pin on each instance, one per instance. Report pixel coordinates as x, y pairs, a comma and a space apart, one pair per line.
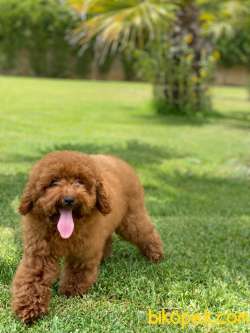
234, 48
38, 32
232, 32
37, 28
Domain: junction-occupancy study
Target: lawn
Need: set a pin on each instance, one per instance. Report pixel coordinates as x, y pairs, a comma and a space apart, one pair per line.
196, 175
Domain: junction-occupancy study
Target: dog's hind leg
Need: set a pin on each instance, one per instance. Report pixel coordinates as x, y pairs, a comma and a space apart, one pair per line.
137, 228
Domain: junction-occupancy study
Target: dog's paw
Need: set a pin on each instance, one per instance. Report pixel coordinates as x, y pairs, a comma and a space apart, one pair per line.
154, 253
30, 303
29, 309
155, 256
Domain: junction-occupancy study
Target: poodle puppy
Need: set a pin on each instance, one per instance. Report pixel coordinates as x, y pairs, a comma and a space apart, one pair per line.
71, 205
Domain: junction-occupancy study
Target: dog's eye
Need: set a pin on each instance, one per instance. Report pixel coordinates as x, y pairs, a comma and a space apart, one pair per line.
54, 182
78, 182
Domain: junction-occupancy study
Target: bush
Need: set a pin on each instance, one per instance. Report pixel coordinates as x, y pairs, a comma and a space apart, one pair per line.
39, 30
235, 49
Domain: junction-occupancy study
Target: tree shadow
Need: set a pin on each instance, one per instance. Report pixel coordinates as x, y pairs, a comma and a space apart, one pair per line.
176, 120
7, 269
235, 119
133, 151
238, 119
184, 193
11, 187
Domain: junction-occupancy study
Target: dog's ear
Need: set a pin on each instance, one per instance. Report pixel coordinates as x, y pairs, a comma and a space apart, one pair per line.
102, 199
26, 203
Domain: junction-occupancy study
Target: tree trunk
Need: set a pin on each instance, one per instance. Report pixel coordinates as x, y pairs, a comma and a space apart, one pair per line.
182, 85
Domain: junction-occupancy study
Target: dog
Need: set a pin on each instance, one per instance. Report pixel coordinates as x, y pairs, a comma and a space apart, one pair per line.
71, 206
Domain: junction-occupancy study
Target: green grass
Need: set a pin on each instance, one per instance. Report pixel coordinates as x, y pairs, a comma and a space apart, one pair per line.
196, 175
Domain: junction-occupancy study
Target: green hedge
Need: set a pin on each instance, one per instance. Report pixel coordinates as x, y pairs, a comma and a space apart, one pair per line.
234, 47
39, 31
235, 50
39, 28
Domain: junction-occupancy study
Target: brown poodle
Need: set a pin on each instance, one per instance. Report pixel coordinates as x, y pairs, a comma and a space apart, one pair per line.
72, 204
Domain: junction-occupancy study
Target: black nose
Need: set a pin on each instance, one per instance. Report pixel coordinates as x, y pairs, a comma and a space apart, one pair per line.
68, 201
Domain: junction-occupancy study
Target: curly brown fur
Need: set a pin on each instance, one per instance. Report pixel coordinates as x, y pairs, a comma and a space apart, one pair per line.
108, 197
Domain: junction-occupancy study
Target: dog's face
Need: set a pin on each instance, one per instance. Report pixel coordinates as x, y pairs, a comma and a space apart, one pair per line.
64, 187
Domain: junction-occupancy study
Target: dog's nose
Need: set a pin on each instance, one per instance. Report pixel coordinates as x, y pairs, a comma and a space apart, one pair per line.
68, 201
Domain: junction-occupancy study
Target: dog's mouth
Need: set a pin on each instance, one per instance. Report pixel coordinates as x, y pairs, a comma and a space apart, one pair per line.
65, 224
65, 219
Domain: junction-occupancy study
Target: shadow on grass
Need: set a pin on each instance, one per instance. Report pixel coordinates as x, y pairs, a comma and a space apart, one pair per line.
10, 188
238, 120
7, 269
176, 120
133, 151
235, 119
186, 194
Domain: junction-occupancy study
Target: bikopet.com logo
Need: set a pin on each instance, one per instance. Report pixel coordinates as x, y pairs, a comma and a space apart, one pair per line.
183, 319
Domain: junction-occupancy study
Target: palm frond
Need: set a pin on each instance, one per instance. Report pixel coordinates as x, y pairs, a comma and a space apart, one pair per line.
111, 25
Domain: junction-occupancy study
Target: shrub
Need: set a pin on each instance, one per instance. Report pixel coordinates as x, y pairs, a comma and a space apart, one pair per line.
235, 49
39, 29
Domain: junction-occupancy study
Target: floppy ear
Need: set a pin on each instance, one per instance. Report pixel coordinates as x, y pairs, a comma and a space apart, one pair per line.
102, 199
26, 203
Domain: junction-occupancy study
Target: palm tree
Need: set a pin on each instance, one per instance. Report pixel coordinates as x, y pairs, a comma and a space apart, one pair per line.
170, 35
183, 89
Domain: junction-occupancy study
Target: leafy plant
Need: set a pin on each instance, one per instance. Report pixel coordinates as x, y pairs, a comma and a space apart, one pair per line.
229, 25
39, 29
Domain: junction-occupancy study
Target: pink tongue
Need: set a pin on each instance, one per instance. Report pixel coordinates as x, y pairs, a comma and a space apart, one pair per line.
65, 225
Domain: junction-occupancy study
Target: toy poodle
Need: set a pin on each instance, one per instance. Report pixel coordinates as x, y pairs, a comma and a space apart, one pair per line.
71, 206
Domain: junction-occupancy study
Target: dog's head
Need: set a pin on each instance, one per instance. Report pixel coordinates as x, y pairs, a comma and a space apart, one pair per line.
64, 187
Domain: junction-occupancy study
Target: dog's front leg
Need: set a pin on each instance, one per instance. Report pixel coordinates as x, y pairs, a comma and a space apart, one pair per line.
78, 276
31, 286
